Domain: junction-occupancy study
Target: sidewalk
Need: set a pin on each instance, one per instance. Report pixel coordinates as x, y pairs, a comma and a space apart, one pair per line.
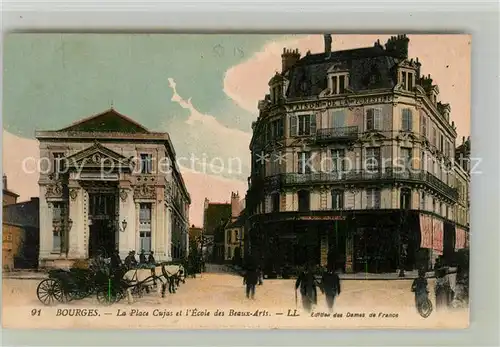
25, 275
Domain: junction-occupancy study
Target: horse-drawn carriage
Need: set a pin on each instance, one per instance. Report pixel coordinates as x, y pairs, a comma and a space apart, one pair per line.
109, 285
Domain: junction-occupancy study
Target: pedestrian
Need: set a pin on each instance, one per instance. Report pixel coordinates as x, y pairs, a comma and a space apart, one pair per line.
307, 284
142, 257
261, 276
419, 287
330, 284
250, 279
442, 288
130, 261
151, 259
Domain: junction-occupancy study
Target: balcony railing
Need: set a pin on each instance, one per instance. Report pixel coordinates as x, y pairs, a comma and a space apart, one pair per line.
355, 176
342, 133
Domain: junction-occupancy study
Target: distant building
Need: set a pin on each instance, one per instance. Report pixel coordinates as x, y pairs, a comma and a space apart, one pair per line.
20, 240
234, 229
353, 163
215, 216
8, 196
195, 234
110, 184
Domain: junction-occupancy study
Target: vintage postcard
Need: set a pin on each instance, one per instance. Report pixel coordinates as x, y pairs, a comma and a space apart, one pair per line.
236, 181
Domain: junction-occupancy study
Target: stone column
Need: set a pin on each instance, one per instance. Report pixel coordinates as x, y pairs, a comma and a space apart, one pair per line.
159, 230
168, 233
76, 215
127, 212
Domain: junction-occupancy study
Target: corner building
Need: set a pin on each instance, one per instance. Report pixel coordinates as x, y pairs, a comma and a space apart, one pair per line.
107, 183
353, 163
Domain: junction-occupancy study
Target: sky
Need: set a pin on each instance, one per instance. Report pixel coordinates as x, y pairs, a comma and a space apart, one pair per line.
201, 89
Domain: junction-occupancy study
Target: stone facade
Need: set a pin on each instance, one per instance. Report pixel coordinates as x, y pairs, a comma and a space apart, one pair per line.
348, 134
108, 183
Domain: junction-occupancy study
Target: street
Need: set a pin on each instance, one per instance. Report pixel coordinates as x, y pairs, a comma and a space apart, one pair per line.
200, 303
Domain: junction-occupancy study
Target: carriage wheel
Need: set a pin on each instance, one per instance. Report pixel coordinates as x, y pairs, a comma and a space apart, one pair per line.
50, 291
138, 291
105, 296
425, 308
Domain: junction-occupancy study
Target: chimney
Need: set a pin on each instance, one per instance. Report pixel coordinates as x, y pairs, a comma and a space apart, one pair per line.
289, 58
328, 43
235, 205
4, 181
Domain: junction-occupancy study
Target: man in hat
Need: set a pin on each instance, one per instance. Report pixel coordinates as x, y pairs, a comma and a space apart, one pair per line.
307, 284
130, 261
330, 285
142, 257
151, 259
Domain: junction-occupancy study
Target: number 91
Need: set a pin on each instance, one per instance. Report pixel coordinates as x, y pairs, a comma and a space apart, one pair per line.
35, 312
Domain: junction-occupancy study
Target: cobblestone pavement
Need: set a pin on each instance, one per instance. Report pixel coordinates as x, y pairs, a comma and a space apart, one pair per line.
391, 303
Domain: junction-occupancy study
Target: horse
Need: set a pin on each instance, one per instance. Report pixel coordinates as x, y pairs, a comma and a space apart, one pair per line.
144, 278
174, 274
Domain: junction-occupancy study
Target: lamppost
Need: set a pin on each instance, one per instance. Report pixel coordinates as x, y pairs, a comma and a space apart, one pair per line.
403, 246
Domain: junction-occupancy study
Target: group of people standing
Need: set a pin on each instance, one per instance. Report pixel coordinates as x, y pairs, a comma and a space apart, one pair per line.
306, 283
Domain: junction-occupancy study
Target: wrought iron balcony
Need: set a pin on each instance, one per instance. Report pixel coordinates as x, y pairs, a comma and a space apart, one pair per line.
334, 134
361, 176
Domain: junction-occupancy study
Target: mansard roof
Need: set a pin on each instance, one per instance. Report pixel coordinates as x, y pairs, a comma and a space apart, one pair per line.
107, 121
308, 77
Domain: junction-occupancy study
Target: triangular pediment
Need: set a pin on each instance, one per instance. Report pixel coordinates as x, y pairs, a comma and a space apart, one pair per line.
98, 156
371, 135
107, 121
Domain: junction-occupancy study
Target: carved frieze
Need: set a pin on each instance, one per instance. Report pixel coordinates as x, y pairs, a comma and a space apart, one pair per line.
144, 191
73, 193
54, 190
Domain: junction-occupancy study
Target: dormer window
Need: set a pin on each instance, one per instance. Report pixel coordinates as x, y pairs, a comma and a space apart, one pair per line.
407, 79
338, 83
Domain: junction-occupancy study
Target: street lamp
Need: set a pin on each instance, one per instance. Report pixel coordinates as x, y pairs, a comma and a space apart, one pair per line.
123, 226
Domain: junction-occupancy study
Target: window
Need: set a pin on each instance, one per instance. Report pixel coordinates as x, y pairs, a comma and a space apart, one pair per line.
441, 143
423, 125
373, 119
146, 163
57, 166
236, 236
405, 198
407, 80
145, 226
304, 198
372, 159
373, 198
433, 205
304, 166
341, 84
275, 202
302, 125
447, 211
423, 164
275, 163
410, 81
339, 119
338, 160
406, 119
337, 199
57, 216
406, 157
422, 201
434, 137
228, 237
276, 129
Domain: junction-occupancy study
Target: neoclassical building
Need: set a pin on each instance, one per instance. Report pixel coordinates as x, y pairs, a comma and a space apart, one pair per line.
353, 162
108, 183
